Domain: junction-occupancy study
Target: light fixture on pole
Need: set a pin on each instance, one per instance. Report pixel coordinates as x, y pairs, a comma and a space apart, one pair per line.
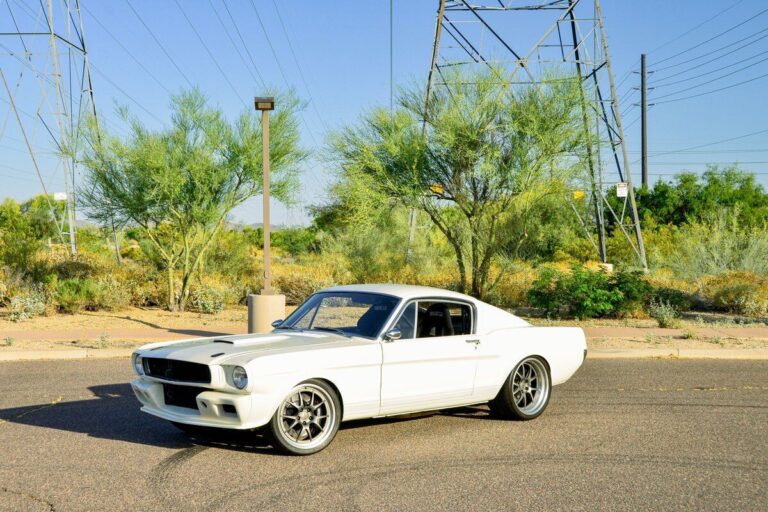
267, 307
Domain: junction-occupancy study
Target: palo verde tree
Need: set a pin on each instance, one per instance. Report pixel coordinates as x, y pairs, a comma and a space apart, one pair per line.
482, 154
179, 183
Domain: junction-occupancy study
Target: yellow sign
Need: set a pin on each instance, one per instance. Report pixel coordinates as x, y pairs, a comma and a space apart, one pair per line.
436, 188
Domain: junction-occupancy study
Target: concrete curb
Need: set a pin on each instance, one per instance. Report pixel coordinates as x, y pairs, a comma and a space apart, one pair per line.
605, 353
678, 353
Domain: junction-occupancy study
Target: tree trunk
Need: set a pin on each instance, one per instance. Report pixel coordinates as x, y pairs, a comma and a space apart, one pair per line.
184, 292
171, 289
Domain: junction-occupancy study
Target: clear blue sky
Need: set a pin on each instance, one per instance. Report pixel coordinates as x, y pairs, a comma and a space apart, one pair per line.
343, 49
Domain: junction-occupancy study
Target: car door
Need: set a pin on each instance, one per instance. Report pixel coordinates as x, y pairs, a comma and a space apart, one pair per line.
433, 364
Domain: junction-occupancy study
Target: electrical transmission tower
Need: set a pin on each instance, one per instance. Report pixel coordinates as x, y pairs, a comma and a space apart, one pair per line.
49, 94
533, 38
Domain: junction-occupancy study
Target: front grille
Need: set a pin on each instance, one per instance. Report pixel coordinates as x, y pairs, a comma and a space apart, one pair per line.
182, 371
181, 396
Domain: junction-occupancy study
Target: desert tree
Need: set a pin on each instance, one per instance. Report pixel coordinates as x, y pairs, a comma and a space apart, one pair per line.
473, 160
179, 183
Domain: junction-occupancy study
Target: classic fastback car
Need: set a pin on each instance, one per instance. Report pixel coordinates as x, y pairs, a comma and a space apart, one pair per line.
354, 352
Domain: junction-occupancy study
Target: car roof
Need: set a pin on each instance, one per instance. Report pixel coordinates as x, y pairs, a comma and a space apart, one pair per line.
404, 291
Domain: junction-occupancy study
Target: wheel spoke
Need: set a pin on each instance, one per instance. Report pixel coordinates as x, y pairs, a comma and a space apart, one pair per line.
306, 416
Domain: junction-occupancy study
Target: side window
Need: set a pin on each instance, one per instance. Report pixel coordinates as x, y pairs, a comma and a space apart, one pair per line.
407, 322
443, 319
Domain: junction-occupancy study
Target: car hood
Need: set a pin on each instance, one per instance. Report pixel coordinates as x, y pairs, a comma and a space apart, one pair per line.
239, 349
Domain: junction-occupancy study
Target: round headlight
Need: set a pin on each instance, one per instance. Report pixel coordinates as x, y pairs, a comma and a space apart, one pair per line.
239, 377
138, 364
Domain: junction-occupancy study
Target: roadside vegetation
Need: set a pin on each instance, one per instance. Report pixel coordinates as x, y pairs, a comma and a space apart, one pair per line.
479, 197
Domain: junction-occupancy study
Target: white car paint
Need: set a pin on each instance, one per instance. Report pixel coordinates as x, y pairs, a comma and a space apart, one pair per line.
373, 377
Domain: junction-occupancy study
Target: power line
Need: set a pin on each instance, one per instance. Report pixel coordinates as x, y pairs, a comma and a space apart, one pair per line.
242, 40
707, 92
298, 66
708, 81
705, 73
727, 162
738, 137
112, 82
711, 152
708, 55
231, 40
678, 173
159, 44
210, 53
663, 45
126, 50
279, 66
713, 37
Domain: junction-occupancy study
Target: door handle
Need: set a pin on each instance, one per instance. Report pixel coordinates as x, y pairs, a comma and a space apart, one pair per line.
476, 342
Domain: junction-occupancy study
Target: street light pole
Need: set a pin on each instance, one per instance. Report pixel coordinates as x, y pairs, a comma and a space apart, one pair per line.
266, 307
265, 162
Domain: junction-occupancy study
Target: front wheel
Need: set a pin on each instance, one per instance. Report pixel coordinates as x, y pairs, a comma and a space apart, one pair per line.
526, 391
307, 419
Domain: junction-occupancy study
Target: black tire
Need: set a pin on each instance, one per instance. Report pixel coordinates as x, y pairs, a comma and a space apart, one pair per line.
318, 419
517, 400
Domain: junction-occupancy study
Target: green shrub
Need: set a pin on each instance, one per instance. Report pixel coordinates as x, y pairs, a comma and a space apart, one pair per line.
742, 293
635, 291
582, 293
678, 299
206, 299
664, 313
111, 294
26, 306
72, 295
298, 285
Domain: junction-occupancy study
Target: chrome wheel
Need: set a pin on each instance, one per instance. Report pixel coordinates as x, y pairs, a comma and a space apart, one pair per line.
307, 417
530, 386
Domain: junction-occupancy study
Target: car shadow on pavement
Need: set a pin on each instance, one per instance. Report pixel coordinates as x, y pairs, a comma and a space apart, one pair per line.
114, 413
190, 332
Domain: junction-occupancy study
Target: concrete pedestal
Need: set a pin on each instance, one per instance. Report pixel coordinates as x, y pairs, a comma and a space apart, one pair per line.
263, 310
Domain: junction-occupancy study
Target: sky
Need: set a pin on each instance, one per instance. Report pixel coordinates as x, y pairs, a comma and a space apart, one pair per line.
336, 55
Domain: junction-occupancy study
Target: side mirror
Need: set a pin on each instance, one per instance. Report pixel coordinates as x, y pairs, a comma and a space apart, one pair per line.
393, 334
277, 323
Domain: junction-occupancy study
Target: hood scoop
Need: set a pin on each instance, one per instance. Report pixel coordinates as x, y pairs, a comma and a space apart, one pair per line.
249, 339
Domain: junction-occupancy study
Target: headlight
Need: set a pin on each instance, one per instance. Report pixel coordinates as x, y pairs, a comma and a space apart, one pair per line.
138, 364
239, 377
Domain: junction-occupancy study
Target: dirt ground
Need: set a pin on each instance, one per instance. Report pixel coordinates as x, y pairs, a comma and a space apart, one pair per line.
136, 326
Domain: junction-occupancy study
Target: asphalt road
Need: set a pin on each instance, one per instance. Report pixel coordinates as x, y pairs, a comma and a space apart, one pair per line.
621, 435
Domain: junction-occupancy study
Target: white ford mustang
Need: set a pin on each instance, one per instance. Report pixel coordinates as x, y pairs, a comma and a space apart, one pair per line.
354, 352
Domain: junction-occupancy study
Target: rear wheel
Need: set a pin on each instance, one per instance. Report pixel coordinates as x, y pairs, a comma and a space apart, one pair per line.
526, 391
307, 419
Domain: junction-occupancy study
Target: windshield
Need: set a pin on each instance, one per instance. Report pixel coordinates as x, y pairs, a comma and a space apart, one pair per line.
349, 313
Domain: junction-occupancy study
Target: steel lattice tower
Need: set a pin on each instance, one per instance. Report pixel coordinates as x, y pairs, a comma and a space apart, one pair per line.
48, 90
534, 37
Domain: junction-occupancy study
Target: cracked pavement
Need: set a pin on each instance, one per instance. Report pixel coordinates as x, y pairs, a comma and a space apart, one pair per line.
621, 435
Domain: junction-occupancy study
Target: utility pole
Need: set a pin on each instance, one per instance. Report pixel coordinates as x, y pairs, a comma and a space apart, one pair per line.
643, 122
596, 195
620, 129
68, 82
61, 117
427, 97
